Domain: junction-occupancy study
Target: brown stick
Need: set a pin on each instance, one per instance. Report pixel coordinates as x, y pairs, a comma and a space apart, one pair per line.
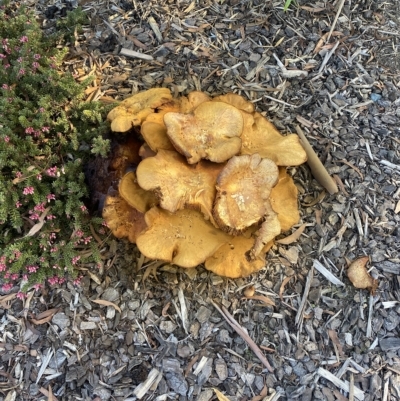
236, 326
317, 168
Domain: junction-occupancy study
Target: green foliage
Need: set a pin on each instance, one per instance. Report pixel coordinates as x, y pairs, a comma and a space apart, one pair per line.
46, 135
287, 4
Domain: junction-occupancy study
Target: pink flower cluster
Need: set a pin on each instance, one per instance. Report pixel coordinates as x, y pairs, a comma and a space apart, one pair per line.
28, 191
55, 280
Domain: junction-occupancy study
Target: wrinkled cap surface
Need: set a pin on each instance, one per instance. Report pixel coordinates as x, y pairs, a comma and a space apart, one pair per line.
243, 188
134, 110
211, 132
267, 141
284, 200
183, 238
178, 184
134, 195
123, 220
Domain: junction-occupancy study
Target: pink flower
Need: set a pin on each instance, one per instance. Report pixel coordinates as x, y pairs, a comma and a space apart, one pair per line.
77, 281
21, 71
51, 217
6, 139
52, 236
32, 269
39, 177
18, 204
20, 295
6, 287
40, 207
23, 39
53, 280
83, 208
36, 56
5, 86
50, 197
34, 216
35, 65
29, 130
45, 129
75, 260
41, 110
87, 240
79, 233
37, 286
20, 59
28, 191
52, 171
14, 276
17, 254
2, 267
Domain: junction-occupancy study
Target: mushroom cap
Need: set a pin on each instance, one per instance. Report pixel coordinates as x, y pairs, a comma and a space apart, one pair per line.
178, 184
134, 110
211, 132
236, 101
145, 151
123, 220
231, 259
156, 136
269, 229
183, 238
284, 200
193, 99
134, 195
267, 141
243, 188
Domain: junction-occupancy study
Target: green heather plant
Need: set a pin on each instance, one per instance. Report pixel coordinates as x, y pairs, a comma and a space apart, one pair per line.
47, 132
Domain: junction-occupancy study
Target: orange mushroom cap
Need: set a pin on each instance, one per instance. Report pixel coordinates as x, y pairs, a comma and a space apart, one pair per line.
212, 132
267, 141
123, 220
134, 195
243, 188
236, 101
134, 110
284, 200
193, 99
231, 259
183, 238
178, 184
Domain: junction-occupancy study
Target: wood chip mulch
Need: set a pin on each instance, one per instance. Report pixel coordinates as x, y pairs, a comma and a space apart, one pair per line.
142, 330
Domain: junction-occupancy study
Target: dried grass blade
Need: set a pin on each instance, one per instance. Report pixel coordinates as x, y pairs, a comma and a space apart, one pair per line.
107, 303
283, 285
327, 274
236, 326
154, 376
262, 298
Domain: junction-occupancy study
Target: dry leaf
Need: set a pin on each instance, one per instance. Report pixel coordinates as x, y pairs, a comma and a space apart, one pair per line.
37, 227
335, 339
283, 285
293, 237
262, 298
220, 396
249, 291
5, 299
44, 317
107, 303
359, 276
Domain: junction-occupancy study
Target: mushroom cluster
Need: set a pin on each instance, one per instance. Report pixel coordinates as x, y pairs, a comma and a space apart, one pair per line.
211, 186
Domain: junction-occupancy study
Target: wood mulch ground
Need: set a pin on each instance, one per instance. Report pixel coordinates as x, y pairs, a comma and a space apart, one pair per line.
136, 331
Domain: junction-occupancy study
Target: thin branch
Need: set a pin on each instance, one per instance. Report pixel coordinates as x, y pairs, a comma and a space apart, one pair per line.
317, 168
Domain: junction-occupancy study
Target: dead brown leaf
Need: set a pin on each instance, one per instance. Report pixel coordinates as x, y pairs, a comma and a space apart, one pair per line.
44, 317
49, 394
335, 339
262, 395
107, 303
283, 285
5, 299
262, 298
359, 276
292, 237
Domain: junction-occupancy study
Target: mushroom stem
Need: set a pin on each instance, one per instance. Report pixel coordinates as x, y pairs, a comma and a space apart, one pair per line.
317, 168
